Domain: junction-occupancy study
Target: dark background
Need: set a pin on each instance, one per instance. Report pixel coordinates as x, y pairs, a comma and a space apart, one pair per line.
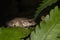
21, 8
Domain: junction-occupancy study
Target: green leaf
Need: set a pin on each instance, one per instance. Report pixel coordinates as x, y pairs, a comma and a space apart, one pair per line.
13, 33
49, 30
43, 5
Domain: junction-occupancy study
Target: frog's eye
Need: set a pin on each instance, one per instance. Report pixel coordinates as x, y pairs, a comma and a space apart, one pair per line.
30, 21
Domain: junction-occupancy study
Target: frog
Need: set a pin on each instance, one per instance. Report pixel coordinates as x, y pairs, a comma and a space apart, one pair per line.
21, 22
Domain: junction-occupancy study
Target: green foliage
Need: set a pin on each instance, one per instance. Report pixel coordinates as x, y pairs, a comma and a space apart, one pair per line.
13, 33
43, 5
50, 28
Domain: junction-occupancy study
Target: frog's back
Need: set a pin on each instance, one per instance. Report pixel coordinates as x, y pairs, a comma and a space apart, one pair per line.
13, 22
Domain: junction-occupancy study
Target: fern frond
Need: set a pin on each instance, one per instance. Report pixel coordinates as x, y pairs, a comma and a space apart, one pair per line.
43, 5
50, 29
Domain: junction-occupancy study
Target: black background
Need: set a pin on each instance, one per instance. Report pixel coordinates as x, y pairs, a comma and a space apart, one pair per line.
21, 8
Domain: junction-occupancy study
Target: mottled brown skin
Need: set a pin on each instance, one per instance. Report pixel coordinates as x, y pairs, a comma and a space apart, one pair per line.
21, 22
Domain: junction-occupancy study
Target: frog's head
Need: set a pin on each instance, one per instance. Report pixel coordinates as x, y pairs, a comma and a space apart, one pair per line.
28, 23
